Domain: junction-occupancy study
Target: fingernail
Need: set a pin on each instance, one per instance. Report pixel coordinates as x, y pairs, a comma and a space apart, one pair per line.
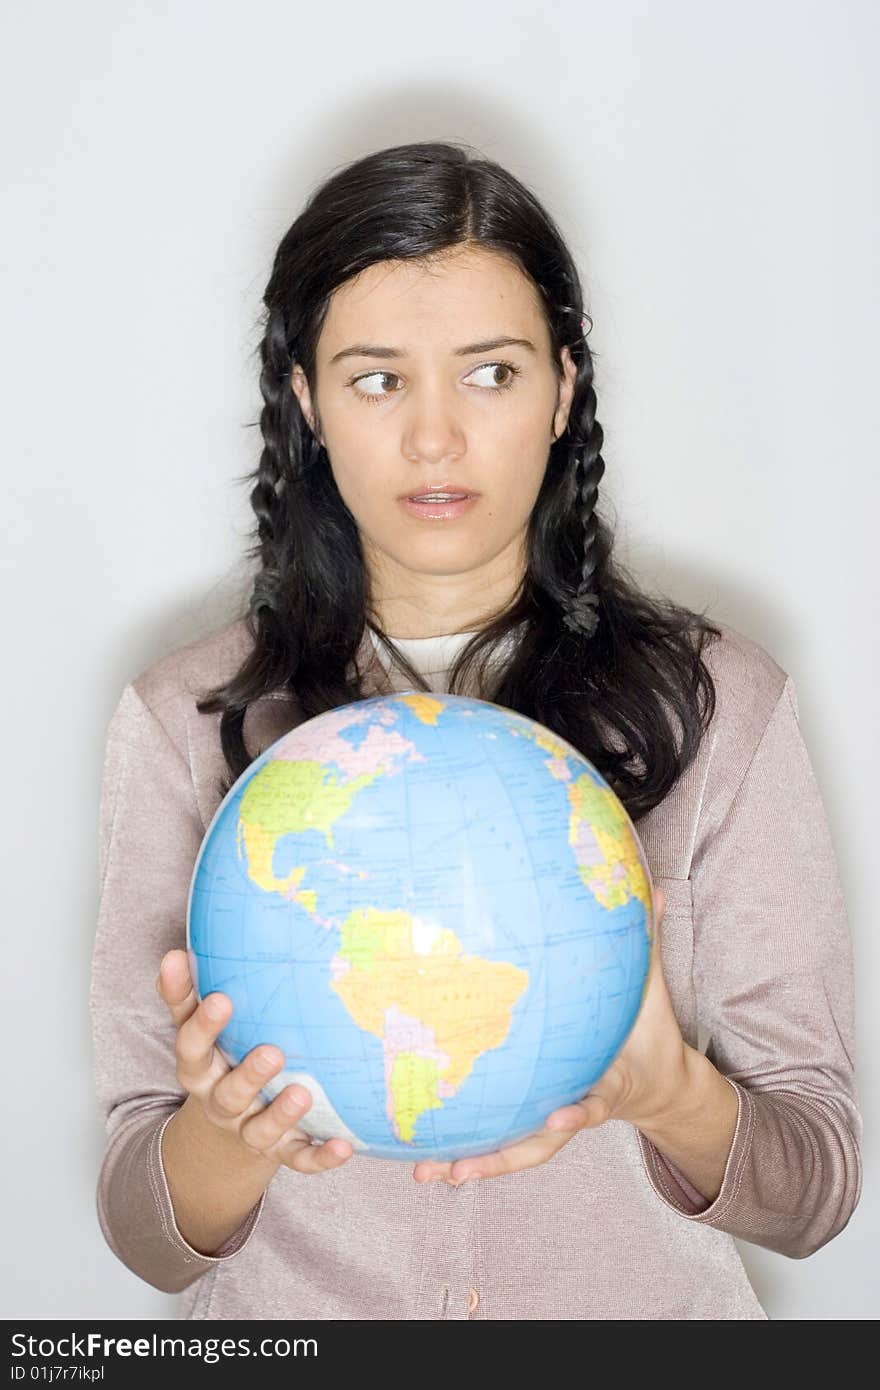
214, 1007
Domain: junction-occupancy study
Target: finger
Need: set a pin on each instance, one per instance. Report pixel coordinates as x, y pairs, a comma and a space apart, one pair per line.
240, 1086
305, 1157
427, 1171
275, 1133
294, 1148
175, 987
196, 1057
593, 1110
528, 1153
270, 1127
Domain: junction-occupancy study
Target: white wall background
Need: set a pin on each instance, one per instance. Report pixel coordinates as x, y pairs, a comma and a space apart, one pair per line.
714, 167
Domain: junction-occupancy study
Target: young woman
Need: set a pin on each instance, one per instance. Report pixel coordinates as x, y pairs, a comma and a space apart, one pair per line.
424, 337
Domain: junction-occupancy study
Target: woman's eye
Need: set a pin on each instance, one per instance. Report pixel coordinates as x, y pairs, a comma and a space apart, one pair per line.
374, 376
493, 368
492, 383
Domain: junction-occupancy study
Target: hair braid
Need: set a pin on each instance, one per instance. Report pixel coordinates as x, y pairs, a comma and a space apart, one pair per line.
267, 497
581, 611
269, 501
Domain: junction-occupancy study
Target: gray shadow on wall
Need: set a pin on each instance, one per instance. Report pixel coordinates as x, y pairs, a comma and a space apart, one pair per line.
178, 625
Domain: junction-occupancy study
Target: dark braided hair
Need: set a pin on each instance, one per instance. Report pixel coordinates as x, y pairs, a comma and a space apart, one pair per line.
617, 673
582, 613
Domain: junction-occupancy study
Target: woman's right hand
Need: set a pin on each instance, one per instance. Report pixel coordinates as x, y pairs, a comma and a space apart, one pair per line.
229, 1096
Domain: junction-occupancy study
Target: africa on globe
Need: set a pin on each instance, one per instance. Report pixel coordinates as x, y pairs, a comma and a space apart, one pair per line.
437, 909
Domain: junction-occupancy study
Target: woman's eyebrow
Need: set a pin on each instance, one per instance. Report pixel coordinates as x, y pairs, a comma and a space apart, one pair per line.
373, 350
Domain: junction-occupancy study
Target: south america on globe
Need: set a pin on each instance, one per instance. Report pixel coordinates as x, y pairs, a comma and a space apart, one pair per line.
439, 912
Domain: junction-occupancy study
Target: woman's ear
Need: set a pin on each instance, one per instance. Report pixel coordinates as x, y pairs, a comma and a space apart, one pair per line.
300, 387
566, 393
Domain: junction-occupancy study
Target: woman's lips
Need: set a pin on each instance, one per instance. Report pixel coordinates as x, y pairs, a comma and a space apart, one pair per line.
438, 511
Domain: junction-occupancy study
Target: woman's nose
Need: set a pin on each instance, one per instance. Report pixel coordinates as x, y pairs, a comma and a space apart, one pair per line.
433, 428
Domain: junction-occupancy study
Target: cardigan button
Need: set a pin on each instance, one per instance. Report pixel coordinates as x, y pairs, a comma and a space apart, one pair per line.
473, 1300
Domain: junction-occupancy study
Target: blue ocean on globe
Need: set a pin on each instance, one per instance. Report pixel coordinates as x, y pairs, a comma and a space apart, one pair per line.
437, 909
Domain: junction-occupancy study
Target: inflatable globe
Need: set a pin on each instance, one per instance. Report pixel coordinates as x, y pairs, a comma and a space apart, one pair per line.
438, 911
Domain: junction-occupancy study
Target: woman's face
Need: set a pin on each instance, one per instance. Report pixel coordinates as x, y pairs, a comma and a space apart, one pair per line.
414, 392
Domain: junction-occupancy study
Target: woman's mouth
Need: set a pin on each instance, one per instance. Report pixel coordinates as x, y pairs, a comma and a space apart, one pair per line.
439, 506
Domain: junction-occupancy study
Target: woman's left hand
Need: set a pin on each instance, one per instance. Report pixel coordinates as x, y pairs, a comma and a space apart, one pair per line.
644, 1082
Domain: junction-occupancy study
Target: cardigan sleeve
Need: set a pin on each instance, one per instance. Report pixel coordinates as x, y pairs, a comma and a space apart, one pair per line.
773, 977
149, 836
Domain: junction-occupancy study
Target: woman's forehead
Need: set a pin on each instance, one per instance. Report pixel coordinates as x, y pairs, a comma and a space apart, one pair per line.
471, 296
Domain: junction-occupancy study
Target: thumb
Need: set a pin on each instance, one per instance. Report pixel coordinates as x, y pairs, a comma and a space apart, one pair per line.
175, 987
